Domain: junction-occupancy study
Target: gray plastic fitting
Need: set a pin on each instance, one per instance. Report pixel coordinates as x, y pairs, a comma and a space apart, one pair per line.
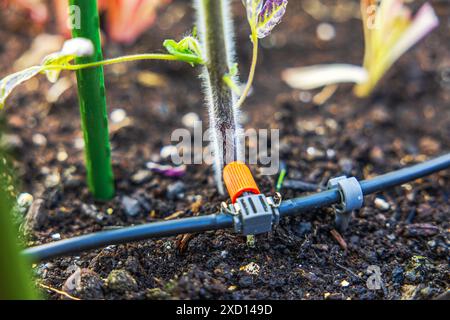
254, 214
352, 198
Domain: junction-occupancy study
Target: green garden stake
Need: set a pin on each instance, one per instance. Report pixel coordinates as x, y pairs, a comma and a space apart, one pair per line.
92, 99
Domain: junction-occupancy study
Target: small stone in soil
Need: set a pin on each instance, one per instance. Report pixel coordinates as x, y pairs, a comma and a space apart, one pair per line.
56, 236
131, 206
381, 204
325, 31
190, 119
421, 230
85, 284
39, 140
344, 283
91, 211
36, 216
121, 280
141, 176
176, 190
397, 275
24, 201
118, 115
313, 153
52, 180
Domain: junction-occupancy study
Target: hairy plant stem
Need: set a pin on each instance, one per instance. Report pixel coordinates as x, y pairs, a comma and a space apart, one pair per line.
216, 37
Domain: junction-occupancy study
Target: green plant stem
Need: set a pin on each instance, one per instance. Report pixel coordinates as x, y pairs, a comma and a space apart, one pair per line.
106, 62
92, 98
251, 75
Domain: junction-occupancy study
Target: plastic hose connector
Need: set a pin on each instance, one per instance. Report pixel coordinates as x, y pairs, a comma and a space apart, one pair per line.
238, 179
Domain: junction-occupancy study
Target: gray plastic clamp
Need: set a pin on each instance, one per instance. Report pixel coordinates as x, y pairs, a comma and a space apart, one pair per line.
352, 197
254, 214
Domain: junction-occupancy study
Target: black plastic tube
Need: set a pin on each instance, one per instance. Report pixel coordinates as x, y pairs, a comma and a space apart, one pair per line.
224, 221
405, 175
128, 234
380, 183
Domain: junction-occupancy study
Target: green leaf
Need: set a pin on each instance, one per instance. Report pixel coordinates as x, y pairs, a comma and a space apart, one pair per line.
188, 50
58, 60
253, 8
51, 66
10, 82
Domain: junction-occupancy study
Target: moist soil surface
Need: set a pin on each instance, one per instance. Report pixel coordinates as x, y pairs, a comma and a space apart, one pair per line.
403, 231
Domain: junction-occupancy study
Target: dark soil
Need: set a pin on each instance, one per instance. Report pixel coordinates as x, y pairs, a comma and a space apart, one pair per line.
407, 120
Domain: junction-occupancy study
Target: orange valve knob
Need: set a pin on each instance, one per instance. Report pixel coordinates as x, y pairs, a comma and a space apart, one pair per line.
239, 180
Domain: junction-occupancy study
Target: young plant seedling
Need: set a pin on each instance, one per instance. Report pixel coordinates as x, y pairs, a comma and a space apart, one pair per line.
220, 71
389, 31
214, 50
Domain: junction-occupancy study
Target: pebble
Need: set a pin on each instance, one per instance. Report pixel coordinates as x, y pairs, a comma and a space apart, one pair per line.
24, 202
313, 153
190, 119
85, 284
141, 176
39, 140
344, 283
62, 156
118, 115
325, 31
52, 180
331, 154
91, 211
131, 206
397, 275
381, 204
305, 96
56, 236
36, 216
421, 230
176, 190
121, 280
78, 143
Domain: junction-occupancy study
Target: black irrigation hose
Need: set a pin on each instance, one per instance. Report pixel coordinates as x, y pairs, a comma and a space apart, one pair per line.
128, 234
382, 182
224, 221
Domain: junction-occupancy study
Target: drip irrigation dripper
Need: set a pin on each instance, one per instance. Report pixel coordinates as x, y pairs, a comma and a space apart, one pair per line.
250, 212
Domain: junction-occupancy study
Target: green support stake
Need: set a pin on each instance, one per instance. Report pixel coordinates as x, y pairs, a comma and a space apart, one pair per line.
91, 95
